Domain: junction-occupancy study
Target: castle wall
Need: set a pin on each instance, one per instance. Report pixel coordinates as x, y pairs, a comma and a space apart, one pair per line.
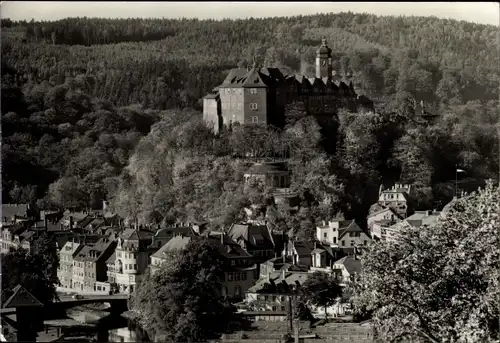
255, 106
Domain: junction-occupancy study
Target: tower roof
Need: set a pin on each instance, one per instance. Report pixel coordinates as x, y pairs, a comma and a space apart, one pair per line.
324, 49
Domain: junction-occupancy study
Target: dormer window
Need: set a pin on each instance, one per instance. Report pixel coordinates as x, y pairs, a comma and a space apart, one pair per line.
253, 106
255, 120
253, 90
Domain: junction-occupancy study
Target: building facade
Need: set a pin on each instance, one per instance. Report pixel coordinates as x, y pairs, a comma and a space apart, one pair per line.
65, 269
259, 95
397, 198
132, 259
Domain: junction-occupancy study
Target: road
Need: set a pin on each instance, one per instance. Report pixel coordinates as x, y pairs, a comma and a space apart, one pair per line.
69, 298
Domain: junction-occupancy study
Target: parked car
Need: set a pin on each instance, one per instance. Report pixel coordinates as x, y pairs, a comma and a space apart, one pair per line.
77, 296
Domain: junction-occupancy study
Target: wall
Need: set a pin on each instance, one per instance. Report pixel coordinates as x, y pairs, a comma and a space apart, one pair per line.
259, 98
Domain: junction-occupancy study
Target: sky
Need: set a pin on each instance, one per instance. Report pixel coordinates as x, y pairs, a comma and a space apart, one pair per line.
478, 12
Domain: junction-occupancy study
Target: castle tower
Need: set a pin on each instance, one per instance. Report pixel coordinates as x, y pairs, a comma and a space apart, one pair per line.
324, 61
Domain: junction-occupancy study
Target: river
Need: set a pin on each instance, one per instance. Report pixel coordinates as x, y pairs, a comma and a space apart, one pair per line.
120, 329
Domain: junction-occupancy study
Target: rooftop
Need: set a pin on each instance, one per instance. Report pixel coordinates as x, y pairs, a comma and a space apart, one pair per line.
21, 298
351, 264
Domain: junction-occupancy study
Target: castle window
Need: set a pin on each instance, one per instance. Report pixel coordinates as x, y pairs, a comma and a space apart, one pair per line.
253, 106
253, 90
255, 120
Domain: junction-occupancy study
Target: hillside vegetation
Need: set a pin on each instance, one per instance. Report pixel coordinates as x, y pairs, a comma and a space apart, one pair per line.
80, 95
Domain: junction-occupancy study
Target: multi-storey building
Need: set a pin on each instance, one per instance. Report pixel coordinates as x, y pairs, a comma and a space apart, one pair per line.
132, 259
397, 198
89, 265
240, 270
257, 239
65, 269
259, 95
342, 233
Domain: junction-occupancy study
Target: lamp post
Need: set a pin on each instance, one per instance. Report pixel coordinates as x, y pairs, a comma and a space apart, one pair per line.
457, 170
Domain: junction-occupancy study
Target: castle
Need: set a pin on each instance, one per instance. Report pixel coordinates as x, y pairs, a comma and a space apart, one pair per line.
259, 95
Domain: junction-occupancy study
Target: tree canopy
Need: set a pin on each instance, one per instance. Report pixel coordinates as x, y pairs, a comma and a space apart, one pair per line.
183, 300
32, 271
438, 282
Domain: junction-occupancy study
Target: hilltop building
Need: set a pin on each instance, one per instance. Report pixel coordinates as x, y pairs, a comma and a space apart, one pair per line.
259, 95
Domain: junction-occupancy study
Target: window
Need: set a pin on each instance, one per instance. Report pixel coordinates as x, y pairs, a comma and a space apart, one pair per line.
266, 298
255, 120
253, 106
274, 308
352, 243
274, 298
135, 266
365, 242
325, 235
253, 90
233, 262
236, 276
229, 276
343, 243
244, 275
282, 308
335, 240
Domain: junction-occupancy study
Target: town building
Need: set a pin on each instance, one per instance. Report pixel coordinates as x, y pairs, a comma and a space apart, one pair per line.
89, 265
256, 239
278, 264
65, 269
397, 198
347, 268
18, 213
240, 270
271, 175
423, 218
259, 95
342, 233
162, 236
15, 236
275, 292
132, 259
383, 214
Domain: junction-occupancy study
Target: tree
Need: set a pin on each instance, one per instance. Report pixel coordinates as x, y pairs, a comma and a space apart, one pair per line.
321, 289
183, 299
28, 270
440, 283
45, 247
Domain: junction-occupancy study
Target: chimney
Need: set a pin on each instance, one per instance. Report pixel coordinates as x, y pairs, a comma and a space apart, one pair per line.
283, 274
222, 238
70, 222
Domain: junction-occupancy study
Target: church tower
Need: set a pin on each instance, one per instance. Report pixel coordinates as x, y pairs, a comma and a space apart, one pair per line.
324, 61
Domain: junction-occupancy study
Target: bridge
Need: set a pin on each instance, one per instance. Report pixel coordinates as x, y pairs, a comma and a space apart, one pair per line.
67, 301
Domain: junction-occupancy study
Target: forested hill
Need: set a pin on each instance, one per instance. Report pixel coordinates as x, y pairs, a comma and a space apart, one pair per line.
79, 93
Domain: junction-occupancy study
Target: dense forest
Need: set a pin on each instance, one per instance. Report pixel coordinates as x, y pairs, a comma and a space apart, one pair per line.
97, 109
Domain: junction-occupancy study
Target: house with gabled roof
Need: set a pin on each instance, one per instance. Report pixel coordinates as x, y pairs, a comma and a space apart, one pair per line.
15, 213
27, 320
396, 197
89, 265
240, 269
255, 238
65, 269
132, 253
347, 268
342, 233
